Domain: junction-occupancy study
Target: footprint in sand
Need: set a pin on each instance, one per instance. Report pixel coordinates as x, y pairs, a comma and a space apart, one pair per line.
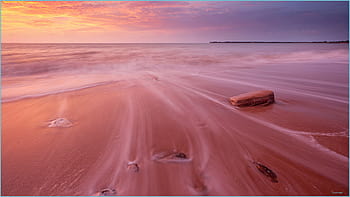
60, 123
173, 156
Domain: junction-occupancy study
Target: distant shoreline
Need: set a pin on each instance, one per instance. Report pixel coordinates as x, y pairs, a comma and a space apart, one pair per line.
240, 42
211, 42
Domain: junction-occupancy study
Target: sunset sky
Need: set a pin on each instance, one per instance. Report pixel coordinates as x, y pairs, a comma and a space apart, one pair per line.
179, 21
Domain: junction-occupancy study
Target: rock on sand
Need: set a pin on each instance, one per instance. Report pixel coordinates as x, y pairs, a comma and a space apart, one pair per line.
262, 97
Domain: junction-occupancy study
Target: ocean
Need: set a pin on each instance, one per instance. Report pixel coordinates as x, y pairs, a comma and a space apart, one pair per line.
54, 68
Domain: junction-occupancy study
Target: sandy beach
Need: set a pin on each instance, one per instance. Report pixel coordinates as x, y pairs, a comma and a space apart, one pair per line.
174, 98
299, 138
157, 119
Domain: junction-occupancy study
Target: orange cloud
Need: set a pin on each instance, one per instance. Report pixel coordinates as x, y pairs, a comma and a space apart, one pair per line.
135, 21
23, 19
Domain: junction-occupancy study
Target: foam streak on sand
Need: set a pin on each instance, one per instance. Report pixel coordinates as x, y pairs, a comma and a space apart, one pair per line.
280, 89
11, 99
280, 129
166, 126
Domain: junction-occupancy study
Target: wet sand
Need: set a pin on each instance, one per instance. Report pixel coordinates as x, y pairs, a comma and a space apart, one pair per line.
302, 138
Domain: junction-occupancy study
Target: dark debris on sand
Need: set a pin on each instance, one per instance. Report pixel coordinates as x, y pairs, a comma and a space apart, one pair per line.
172, 156
107, 192
266, 171
181, 155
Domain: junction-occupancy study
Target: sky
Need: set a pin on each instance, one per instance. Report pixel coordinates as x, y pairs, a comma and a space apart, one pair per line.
172, 22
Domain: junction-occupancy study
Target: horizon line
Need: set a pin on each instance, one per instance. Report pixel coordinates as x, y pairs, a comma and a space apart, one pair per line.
104, 42
323, 41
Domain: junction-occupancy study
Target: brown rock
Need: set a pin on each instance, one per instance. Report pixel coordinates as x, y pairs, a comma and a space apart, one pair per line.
262, 97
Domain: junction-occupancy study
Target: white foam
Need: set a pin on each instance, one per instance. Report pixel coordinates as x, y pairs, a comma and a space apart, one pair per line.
16, 98
60, 123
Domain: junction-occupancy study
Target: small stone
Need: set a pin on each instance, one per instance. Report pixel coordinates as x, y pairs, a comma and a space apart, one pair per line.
60, 122
108, 192
266, 171
133, 166
173, 156
262, 97
181, 155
